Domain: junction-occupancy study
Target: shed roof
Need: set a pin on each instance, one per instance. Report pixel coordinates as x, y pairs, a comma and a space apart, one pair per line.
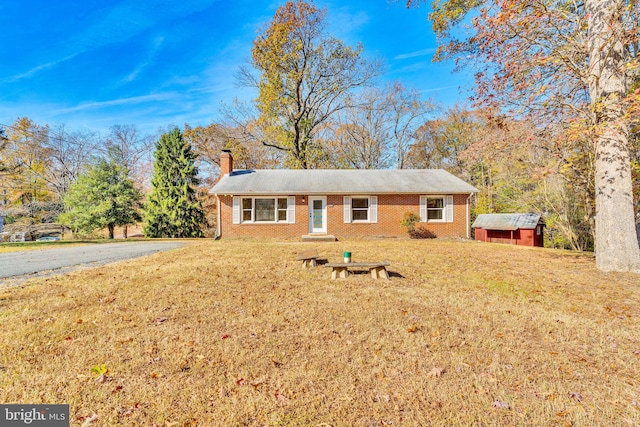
341, 181
512, 221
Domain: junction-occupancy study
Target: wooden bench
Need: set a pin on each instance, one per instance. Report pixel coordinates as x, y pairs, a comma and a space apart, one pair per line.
308, 258
341, 269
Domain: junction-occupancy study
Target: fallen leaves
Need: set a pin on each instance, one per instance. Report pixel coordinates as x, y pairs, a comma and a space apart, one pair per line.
280, 398
101, 371
436, 372
576, 396
236, 358
88, 421
103, 378
160, 320
501, 405
257, 383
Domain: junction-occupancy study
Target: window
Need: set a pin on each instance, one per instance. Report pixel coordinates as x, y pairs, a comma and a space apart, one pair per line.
271, 209
360, 209
264, 209
247, 210
282, 209
435, 208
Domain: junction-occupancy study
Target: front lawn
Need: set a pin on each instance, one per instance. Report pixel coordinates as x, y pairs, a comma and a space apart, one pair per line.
226, 333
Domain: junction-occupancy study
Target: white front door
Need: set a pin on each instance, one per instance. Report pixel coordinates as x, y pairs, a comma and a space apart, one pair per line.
317, 214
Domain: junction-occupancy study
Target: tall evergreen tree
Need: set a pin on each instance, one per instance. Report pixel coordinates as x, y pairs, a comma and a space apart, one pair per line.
103, 196
173, 209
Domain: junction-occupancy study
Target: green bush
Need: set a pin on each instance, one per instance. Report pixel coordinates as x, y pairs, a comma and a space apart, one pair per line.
409, 221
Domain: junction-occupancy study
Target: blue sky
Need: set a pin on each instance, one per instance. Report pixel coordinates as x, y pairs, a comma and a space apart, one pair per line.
92, 64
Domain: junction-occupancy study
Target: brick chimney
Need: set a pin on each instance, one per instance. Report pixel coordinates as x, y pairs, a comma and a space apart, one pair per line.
226, 162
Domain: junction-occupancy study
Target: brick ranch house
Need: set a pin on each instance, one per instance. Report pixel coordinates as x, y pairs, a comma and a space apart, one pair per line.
311, 203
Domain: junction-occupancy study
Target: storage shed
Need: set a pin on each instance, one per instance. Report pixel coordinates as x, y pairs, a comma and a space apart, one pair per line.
517, 228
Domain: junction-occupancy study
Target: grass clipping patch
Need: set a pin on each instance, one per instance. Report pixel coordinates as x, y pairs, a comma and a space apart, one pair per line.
236, 333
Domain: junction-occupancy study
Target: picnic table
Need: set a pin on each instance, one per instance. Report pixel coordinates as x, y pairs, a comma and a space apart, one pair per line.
376, 269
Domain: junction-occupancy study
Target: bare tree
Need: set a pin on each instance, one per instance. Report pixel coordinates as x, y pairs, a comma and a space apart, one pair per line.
135, 149
69, 152
408, 111
377, 128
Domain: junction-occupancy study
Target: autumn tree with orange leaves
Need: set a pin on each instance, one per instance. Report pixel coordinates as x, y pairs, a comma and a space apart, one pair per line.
304, 77
560, 63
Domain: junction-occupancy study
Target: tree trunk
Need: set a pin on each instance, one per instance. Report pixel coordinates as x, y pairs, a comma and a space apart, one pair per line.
110, 227
616, 244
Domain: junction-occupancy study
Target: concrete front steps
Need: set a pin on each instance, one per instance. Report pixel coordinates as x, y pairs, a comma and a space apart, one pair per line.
318, 238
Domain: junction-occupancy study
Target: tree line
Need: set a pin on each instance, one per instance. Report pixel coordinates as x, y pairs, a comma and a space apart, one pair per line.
552, 126
76, 179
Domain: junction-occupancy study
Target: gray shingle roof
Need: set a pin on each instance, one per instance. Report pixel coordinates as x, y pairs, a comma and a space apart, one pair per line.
507, 221
340, 181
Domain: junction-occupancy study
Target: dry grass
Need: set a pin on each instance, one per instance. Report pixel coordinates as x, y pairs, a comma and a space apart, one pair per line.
30, 246
36, 246
235, 333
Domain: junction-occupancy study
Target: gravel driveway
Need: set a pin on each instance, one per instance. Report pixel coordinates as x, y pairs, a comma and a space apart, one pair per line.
26, 264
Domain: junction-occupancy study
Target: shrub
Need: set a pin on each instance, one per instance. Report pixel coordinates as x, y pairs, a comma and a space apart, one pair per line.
409, 221
422, 233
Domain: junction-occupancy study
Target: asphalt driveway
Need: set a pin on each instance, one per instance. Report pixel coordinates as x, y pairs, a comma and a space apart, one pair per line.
25, 264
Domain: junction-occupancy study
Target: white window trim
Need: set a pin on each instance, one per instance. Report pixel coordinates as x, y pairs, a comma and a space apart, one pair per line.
291, 209
238, 210
372, 210
447, 208
346, 203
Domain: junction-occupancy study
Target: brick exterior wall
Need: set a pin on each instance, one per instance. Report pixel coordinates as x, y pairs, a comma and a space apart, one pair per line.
391, 209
